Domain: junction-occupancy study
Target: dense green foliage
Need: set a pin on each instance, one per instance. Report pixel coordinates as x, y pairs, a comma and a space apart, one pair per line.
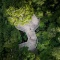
48, 33
19, 16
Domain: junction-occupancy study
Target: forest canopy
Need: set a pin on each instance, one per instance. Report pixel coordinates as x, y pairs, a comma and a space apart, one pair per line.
48, 32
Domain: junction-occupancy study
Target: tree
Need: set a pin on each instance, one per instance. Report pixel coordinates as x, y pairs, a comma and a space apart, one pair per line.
48, 33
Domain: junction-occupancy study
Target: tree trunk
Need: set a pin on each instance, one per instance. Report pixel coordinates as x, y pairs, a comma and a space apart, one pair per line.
29, 29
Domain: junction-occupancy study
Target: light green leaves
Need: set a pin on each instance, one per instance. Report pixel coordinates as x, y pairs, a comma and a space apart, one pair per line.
19, 16
56, 53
